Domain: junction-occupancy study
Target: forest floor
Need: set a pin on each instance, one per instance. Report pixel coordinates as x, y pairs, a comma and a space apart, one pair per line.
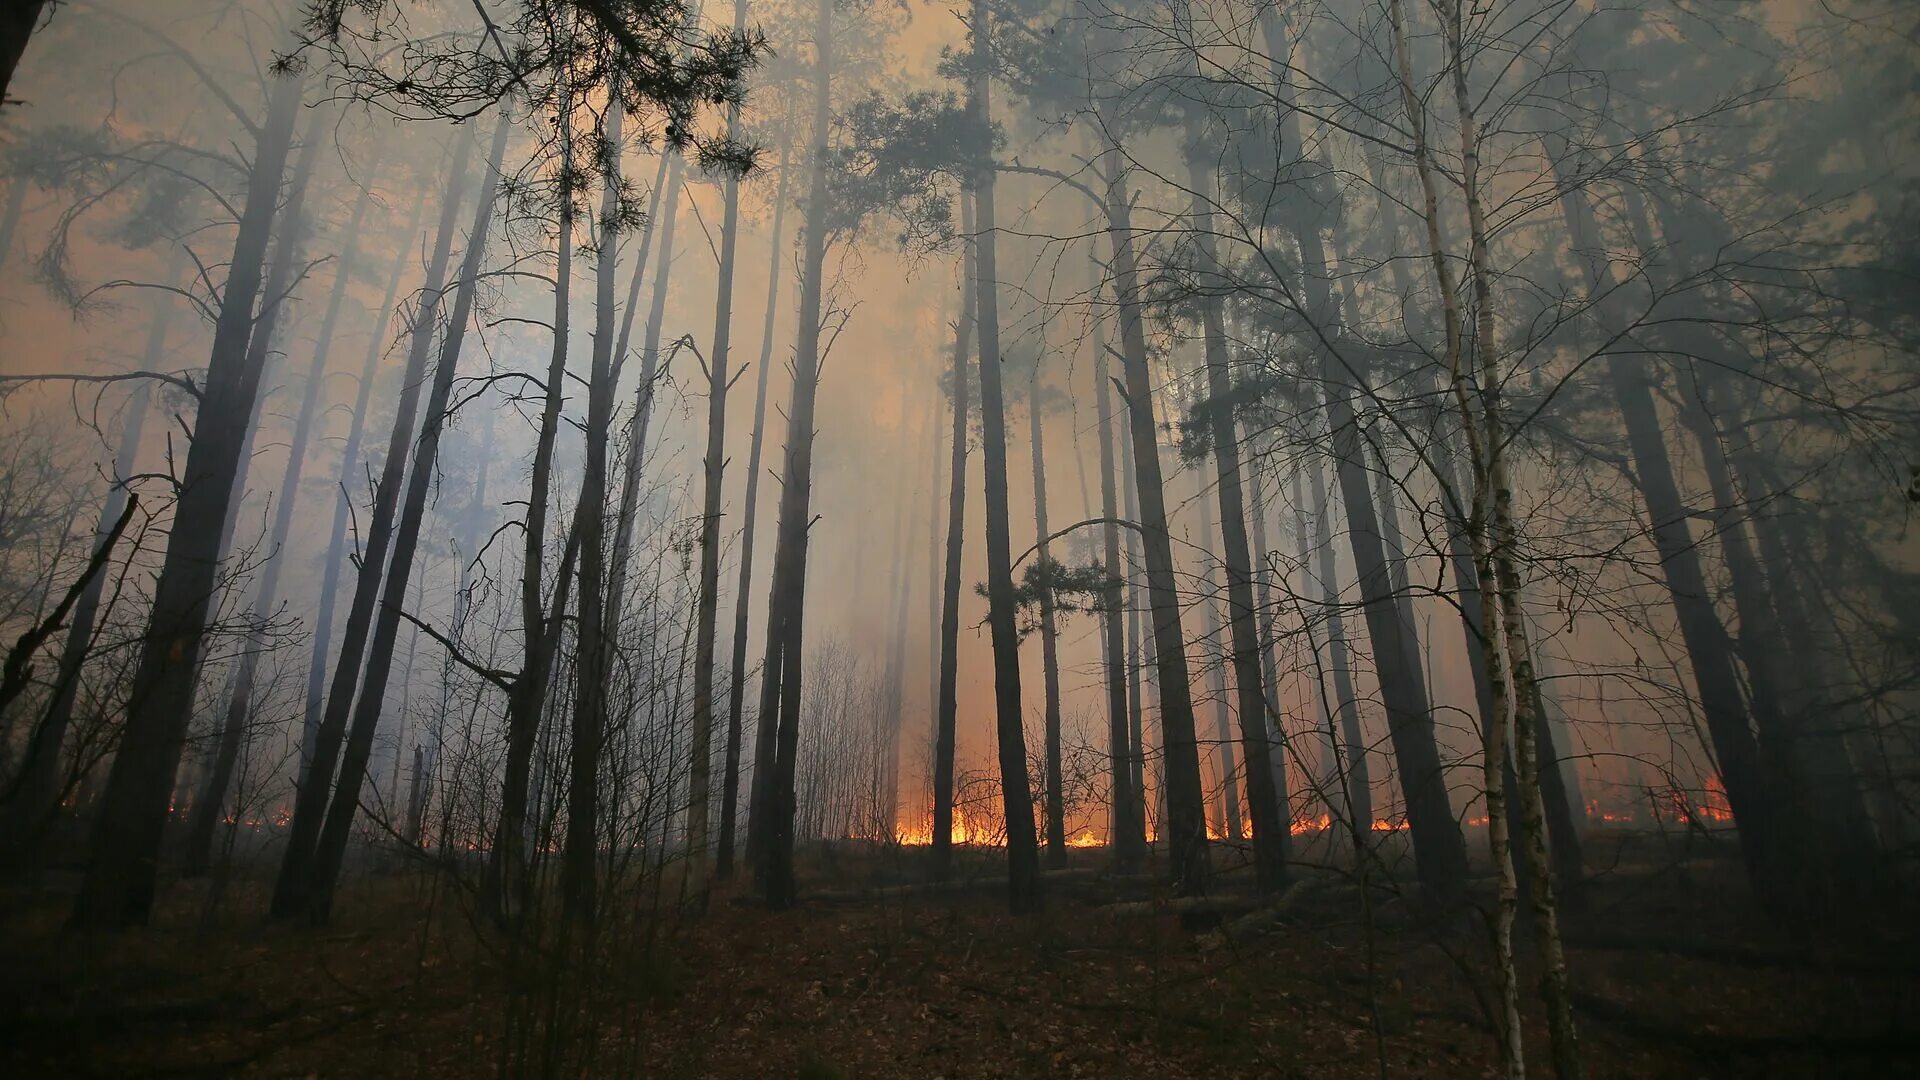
1676, 975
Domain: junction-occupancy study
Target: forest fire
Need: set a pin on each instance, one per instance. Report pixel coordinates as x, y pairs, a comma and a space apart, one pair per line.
536, 500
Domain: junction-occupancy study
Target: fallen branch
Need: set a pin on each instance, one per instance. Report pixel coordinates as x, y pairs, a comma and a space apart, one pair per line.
1258, 921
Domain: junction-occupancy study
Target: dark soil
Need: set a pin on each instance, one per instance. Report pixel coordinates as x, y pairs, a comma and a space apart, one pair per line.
1676, 973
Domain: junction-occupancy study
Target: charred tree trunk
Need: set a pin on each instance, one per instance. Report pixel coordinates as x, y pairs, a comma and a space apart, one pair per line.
599, 619
234, 729
1016, 795
1056, 825
948, 702
786, 607
1357, 788
41, 785
323, 619
737, 676
119, 883
18, 20
1185, 822
1266, 802
330, 851
293, 888
1128, 830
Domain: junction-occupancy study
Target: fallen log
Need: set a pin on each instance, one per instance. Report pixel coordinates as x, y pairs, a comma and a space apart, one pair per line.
1260, 919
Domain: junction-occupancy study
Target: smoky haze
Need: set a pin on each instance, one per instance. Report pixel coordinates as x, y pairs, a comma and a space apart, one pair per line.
1398, 435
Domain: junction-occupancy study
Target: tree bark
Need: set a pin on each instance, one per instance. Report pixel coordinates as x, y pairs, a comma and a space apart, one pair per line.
1056, 825
119, 884
1127, 831
41, 786
701, 767
323, 619
18, 20
786, 608
598, 624
945, 722
1184, 824
1755, 807
1016, 795
293, 887
234, 730
330, 851
1266, 795
737, 675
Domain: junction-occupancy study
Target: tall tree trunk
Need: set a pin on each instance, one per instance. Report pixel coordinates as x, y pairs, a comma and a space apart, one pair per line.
598, 622
945, 722
1266, 795
1184, 824
1211, 632
505, 886
666, 201
293, 887
1439, 850
1056, 825
1137, 661
119, 883
714, 468
18, 20
737, 686
1269, 665
331, 849
323, 619
41, 785
786, 607
1126, 835
1357, 788
207, 807
1016, 795
1755, 807
1561, 801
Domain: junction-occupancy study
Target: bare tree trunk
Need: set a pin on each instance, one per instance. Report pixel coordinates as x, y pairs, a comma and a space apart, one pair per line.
1359, 774
293, 887
1266, 793
1210, 630
323, 619
213, 795
1137, 662
1016, 795
41, 786
18, 20
1185, 822
1439, 850
786, 608
1269, 668
715, 466
1755, 808
119, 883
504, 888
599, 620
737, 688
948, 702
331, 849
1128, 831
1056, 825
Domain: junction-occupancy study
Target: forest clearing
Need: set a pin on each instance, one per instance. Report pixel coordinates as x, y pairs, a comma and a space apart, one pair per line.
960, 538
